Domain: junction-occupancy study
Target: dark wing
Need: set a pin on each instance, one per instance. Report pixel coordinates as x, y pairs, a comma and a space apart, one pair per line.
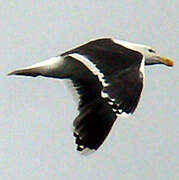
96, 116
108, 56
120, 68
93, 124
124, 89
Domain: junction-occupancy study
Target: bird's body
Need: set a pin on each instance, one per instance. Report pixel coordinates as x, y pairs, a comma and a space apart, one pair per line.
108, 76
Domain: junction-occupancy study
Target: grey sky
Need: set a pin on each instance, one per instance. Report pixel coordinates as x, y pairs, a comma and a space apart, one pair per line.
36, 140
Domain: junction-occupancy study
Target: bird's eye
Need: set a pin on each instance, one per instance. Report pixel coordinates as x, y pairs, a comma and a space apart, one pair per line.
151, 51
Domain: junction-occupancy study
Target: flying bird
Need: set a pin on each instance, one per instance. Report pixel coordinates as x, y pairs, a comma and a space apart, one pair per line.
108, 75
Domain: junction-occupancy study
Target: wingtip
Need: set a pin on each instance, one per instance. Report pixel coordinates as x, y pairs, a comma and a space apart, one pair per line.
16, 72
11, 73
87, 152
25, 72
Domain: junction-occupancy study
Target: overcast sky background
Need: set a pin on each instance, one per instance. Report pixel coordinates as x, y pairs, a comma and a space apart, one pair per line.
36, 115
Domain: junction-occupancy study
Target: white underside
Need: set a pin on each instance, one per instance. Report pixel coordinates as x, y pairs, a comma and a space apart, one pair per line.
142, 67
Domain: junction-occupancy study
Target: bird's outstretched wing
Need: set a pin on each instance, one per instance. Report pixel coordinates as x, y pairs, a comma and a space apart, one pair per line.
114, 87
96, 116
117, 68
93, 123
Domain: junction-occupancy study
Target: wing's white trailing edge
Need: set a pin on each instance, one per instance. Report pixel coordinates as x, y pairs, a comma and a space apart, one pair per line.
91, 66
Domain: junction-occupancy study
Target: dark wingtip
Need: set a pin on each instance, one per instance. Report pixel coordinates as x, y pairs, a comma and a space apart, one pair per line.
17, 72
11, 73
25, 72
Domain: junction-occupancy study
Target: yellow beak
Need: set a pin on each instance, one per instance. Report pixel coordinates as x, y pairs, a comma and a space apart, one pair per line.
166, 61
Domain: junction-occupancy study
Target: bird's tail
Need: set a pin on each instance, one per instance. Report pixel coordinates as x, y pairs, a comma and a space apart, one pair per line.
51, 67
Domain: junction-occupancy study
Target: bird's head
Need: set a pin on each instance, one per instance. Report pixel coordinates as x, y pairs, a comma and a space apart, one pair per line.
150, 54
152, 57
